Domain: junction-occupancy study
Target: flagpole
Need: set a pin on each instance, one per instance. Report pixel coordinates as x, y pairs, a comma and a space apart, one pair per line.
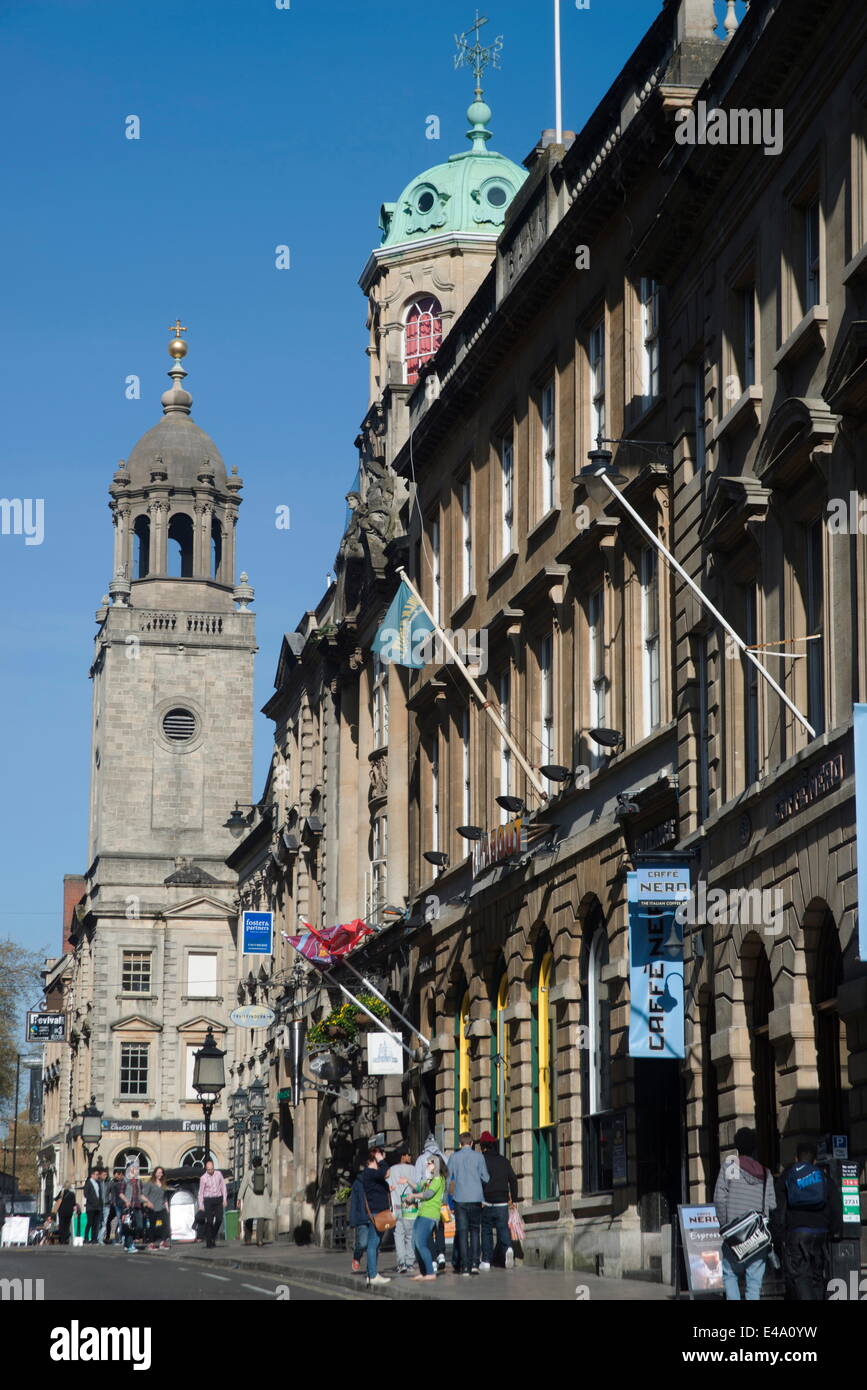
477, 691
425, 1041
357, 1002
558, 74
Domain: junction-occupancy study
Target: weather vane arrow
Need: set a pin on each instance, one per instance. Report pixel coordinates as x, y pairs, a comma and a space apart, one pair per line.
473, 53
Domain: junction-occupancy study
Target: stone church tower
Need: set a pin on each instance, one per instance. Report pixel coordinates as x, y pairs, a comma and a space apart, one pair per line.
172, 754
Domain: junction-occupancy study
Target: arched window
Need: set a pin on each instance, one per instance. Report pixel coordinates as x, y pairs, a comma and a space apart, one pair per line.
500, 1117
423, 334
133, 1156
760, 1002
142, 549
462, 1068
827, 976
544, 1054
181, 546
193, 1158
596, 1057
216, 548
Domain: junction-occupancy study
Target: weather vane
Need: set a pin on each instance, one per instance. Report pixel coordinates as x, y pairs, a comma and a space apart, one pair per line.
476, 55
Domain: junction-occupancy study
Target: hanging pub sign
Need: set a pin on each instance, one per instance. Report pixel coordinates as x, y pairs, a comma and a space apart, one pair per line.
384, 1053
252, 1016
258, 933
500, 844
45, 1027
653, 894
860, 731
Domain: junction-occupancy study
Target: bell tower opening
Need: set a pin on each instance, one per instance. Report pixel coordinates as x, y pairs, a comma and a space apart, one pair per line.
142, 552
181, 546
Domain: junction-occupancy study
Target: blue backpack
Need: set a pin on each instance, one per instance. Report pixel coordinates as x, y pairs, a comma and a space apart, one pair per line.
805, 1187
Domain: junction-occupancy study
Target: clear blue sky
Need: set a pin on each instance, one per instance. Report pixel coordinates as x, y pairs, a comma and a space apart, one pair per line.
259, 126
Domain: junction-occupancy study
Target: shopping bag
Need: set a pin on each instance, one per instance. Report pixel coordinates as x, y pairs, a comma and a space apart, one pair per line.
516, 1224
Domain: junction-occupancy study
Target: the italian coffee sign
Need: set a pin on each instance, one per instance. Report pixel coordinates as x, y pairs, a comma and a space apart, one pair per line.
653, 895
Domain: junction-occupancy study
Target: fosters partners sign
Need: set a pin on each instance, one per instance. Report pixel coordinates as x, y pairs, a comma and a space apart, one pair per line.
656, 960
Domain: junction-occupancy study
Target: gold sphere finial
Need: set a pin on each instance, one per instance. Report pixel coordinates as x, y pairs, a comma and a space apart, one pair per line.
177, 347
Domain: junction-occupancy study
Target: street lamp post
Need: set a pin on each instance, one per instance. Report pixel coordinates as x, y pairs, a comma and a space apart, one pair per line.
91, 1131
257, 1101
209, 1078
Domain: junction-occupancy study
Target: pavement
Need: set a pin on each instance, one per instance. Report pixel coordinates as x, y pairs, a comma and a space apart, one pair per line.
523, 1284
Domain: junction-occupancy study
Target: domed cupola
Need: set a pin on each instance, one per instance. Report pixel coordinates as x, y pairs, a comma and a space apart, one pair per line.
174, 506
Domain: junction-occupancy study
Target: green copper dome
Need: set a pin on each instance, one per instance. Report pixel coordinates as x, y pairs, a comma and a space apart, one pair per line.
469, 193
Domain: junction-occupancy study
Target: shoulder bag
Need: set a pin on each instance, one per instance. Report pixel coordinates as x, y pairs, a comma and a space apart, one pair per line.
749, 1236
383, 1220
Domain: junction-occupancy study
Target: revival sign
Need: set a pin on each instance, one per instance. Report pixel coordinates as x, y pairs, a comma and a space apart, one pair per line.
656, 960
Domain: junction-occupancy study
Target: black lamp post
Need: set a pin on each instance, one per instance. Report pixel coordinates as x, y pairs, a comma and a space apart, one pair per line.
209, 1078
257, 1101
91, 1131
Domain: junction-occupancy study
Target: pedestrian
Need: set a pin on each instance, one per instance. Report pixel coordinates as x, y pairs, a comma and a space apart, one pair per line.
401, 1180
428, 1199
438, 1234
212, 1195
106, 1209
64, 1209
358, 1222
115, 1208
132, 1203
377, 1204
467, 1174
809, 1213
156, 1199
744, 1185
254, 1201
501, 1195
93, 1207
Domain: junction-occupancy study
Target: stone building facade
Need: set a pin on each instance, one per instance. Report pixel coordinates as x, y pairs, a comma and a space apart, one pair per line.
153, 959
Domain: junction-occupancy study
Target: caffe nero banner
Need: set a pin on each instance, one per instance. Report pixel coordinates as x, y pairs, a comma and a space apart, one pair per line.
653, 893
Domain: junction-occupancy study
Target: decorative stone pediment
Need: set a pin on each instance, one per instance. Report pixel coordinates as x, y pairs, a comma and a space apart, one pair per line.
845, 387
200, 1024
188, 873
735, 510
799, 429
201, 906
136, 1023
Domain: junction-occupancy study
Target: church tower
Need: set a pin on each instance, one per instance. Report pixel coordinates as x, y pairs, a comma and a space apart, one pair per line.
172, 755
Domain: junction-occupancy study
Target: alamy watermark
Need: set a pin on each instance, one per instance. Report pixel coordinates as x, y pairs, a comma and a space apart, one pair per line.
748, 907
740, 126
23, 516
470, 643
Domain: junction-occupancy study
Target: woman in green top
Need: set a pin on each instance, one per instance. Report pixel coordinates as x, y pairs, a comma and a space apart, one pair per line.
428, 1198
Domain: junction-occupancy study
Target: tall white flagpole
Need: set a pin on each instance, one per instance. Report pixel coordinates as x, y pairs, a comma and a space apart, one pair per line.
558, 74
477, 691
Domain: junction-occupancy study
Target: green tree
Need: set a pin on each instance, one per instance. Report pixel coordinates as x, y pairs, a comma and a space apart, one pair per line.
20, 986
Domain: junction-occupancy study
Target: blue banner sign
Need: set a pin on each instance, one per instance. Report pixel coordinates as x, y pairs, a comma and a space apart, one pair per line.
860, 728
257, 930
653, 894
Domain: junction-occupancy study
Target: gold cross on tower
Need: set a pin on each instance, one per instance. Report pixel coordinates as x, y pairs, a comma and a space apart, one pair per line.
177, 328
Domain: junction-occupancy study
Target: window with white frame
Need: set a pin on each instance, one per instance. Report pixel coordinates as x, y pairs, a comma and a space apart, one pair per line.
465, 768
649, 296
136, 972
507, 493
435, 792
546, 699
189, 1092
650, 636
134, 1069
436, 577
596, 356
548, 445
466, 538
815, 607
202, 975
379, 701
596, 665
812, 288
504, 694
379, 863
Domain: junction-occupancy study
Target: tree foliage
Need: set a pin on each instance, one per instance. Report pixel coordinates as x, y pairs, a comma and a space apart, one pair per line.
20, 986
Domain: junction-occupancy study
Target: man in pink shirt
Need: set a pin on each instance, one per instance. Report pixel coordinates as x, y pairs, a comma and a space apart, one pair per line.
212, 1195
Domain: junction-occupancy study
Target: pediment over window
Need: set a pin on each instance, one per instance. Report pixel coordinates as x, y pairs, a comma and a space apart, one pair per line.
201, 906
845, 387
735, 508
136, 1023
200, 1024
799, 429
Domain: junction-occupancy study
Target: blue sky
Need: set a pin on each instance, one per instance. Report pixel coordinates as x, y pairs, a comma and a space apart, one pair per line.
259, 127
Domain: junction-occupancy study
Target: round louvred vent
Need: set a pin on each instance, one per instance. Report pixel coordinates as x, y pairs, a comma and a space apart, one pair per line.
179, 725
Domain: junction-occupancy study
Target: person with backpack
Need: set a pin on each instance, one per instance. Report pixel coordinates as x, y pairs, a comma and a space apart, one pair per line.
254, 1201
809, 1213
401, 1181
501, 1195
744, 1188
